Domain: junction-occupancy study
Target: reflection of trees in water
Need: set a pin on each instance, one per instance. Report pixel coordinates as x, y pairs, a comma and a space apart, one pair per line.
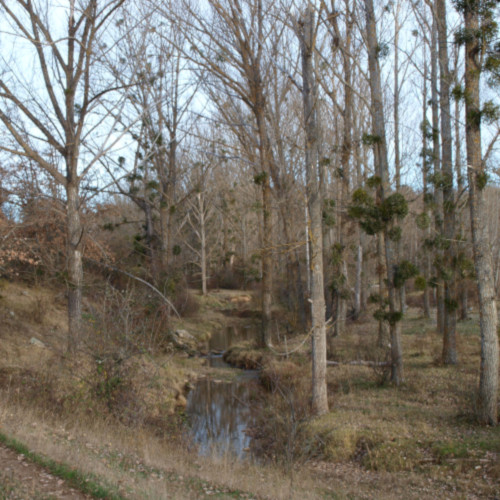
219, 416
223, 339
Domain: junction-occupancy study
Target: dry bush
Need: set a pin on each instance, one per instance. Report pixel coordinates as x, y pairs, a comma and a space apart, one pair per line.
34, 247
129, 320
123, 326
416, 300
281, 430
392, 456
175, 287
238, 277
227, 279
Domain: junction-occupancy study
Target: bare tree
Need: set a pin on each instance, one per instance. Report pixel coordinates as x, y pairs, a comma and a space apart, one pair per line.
160, 106
382, 166
228, 41
51, 121
343, 41
449, 355
479, 21
307, 34
200, 214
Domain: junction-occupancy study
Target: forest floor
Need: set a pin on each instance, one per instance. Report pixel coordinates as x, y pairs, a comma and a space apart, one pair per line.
378, 441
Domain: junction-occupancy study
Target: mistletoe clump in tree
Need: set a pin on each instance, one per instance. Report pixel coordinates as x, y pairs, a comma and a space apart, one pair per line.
380, 216
479, 37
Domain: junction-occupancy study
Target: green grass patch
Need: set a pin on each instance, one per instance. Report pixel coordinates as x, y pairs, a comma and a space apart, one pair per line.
491, 445
484, 443
450, 449
86, 483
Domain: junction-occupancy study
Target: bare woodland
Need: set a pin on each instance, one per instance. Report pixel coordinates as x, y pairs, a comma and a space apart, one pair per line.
339, 159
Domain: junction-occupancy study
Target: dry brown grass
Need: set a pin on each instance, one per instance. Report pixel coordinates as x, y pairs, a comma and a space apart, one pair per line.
143, 465
426, 426
416, 441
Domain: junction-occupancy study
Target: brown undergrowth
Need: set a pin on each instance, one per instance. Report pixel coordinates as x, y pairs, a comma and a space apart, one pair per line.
122, 409
424, 427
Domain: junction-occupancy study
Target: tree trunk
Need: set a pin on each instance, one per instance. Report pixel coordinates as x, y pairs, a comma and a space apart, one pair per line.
340, 301
449, 355
359, 277
378, 127
402, 296
203, 244
360, 285
425, 175
464, 303
383, 339
168, 180
397, 152
150, 250
488, 381
340, 268
436, 154
165, 226
75, 268
266, 256
315, 230
464, 313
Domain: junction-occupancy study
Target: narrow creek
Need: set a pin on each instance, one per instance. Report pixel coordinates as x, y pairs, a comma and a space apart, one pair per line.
219, 411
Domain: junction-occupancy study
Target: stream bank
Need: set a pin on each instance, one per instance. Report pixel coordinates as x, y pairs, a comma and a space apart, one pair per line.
219, 406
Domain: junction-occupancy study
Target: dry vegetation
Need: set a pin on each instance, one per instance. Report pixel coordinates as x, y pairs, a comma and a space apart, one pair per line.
186, 148
378, 441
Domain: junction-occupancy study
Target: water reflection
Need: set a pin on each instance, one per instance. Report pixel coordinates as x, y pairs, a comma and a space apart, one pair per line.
216, 361
219, 414
223, 339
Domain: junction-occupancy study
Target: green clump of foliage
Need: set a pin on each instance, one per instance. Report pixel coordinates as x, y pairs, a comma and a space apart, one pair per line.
404, 271
329, 212
260, 179
450, 449
375, 217
420, 283
423, 220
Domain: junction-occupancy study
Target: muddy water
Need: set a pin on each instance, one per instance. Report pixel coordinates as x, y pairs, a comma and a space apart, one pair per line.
219, 411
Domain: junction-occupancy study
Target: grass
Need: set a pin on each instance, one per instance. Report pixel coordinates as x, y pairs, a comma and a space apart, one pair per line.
426, 425
6, 490
378, 441
86, 483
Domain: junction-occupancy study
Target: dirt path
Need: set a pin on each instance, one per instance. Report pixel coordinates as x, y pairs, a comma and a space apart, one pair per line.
21, 479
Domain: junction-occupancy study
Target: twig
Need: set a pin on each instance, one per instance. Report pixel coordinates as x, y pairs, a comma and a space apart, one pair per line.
109, 266
287, 352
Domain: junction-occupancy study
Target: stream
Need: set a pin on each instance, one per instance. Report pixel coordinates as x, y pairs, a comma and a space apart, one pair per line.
219, 411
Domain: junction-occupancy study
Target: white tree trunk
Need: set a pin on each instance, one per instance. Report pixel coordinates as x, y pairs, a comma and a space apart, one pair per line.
488, 377
315, 230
